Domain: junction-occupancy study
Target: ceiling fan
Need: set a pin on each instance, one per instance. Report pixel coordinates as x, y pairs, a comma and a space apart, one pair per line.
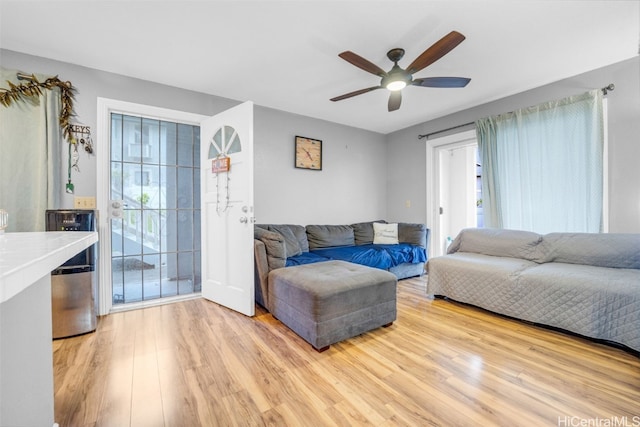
397, 78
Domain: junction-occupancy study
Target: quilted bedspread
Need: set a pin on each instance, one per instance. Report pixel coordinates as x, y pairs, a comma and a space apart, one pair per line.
548, 285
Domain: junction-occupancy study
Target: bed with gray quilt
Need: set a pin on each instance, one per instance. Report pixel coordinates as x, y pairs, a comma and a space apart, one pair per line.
585, 283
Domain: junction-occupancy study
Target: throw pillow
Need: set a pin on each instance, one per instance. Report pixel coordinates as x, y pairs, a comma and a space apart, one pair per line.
385, 234
292, 247
363, 232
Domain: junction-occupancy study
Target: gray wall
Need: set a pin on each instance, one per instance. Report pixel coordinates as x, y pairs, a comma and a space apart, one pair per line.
365, 175
351, 187
407, 154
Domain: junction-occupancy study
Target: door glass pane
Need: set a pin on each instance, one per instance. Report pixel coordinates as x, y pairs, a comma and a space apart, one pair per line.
132, 179
150, 197
151, 141
116, 137
197, 268
151, 276
185, 145
168, 187
131, 232
117, 280
185, 188
131, 139
132, 275
116, 239
168, 134
185, 272
151, 231
169, 237
153, 245
185, 227
116, 180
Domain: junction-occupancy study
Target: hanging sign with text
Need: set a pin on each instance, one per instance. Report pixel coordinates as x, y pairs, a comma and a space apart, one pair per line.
221, 164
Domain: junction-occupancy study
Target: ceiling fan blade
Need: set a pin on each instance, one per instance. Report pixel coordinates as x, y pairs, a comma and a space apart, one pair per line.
436, 51
354, 93
395, 98
362, 63
441, 82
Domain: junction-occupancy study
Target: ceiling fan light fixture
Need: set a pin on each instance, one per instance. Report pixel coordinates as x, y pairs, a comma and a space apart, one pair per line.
396, 85
396, 79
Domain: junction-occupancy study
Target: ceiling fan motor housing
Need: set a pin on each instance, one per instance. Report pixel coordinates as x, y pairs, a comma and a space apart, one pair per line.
396, 74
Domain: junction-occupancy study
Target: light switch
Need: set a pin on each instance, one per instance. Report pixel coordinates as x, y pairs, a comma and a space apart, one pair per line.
84, 202
407, 203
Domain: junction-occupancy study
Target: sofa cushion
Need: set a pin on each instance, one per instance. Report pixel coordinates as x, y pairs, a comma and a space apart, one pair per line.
596, 249
385, 234
499, 242
326, 236
363, 232
274, 246
597, 302
483, 280
292, 246
301, 235
415, 234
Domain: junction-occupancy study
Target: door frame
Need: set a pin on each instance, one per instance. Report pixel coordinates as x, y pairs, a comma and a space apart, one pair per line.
107, 106
433, 180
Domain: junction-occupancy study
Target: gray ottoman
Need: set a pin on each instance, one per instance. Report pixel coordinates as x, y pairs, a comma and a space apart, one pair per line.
330, 301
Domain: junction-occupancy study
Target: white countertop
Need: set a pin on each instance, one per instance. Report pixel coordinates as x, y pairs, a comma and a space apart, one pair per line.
27, 257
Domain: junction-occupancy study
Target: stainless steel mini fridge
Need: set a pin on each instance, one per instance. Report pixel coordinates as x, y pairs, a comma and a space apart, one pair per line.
73, 284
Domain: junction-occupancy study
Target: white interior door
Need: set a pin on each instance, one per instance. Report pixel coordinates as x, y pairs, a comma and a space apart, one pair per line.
227, 209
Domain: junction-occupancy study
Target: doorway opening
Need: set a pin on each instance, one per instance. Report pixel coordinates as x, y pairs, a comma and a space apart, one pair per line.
454, 188
149, 200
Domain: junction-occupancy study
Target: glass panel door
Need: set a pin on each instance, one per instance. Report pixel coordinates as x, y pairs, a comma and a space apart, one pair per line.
155, 171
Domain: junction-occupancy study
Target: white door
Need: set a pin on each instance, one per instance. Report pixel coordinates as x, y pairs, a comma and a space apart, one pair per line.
227, 208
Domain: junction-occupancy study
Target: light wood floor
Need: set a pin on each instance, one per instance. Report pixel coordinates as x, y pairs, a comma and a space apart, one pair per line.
195, 363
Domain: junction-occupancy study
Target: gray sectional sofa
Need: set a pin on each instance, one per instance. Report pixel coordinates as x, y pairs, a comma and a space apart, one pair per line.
584, 283
284, 245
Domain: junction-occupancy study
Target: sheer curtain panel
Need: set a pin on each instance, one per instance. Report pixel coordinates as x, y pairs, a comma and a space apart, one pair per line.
542, 166
30, 157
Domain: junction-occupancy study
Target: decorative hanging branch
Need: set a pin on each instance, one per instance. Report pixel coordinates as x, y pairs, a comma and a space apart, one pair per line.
34, 88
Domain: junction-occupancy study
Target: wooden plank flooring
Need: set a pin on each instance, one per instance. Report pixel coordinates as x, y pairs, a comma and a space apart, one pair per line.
194, 363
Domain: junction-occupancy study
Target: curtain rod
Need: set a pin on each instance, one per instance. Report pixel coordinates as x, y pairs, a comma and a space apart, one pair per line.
605, 90
427, 135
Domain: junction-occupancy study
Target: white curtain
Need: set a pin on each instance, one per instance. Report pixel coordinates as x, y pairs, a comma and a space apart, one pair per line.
542, 166
30, 156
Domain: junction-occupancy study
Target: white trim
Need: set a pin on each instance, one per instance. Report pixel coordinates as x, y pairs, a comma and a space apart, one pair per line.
433, 215
605, 167
155, 302
103, 179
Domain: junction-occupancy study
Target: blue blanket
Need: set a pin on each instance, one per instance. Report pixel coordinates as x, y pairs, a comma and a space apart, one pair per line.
377, 256
304, 258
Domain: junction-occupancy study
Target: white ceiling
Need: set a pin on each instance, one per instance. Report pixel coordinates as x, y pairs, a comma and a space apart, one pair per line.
284, 54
